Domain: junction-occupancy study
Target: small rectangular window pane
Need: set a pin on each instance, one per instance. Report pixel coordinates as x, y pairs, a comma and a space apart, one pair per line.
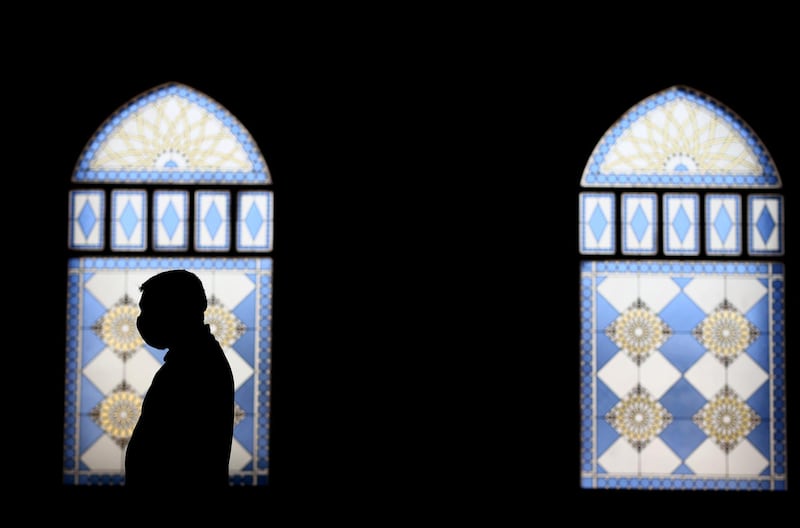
640, 223
128, 220
681, 228
723, 224
212, 221
170, 226
87, 212
254, 225
597, 224
765, 213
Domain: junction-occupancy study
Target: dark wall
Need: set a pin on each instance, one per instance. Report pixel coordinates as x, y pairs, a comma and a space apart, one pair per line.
425, 301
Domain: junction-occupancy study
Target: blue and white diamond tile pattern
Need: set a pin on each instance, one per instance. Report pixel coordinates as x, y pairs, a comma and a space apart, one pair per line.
128, 220
109, 367
170, 228
212, 220
680, 137
172, 134
683, 375
254, 225
723, 224
681, 229
87, 212
765, 213
597, 223
639, 223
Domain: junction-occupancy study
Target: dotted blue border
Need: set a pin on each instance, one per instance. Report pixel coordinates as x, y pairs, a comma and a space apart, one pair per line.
753, 221
592, 176
669, 197
259, 175
590, 478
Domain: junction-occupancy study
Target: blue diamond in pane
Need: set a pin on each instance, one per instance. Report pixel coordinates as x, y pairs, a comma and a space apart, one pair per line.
213, 220
171, 164
128, 220
639, 222
87, 219
254, 220
598, 222
681, 223
723, 223
765, 224
680, 167
170, 220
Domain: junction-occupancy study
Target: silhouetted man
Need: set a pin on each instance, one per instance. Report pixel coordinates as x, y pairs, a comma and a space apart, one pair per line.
183, 437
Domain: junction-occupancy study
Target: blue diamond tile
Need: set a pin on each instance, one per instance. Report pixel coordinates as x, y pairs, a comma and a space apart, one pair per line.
128, 219
213, 220
681, 223
254, 220
87, 219
598, 222
683, 436
765, 224
639, 223
723, 223
170, 220
682, 400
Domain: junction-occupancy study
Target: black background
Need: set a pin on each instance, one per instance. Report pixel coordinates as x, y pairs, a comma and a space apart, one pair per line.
425, 329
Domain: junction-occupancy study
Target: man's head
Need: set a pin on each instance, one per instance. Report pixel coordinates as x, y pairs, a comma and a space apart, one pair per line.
172, 304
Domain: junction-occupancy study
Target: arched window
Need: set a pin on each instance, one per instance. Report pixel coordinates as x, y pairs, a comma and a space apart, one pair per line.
682, 302
170, 180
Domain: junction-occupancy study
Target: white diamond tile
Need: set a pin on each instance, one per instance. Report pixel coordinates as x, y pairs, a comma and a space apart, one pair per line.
620, 291
103, 455
241, 370
707, 375
745, 376
745, 292
620, 374
105, 371
239, 457
140, 369
745, 459
657, 375
707, 459
620, 458
108, 287
657, 291
657, 457
706, 292
230, 289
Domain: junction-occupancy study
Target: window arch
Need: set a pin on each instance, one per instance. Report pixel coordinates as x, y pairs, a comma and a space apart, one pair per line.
170, 180
681, 237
